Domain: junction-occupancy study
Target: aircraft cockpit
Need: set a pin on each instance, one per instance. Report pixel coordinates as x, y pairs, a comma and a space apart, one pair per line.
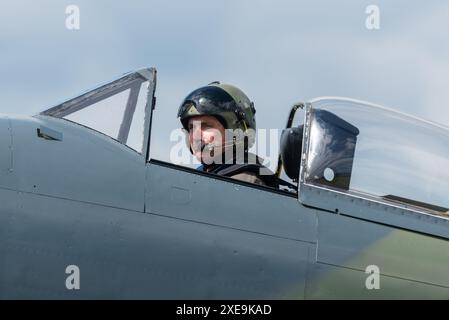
342, 145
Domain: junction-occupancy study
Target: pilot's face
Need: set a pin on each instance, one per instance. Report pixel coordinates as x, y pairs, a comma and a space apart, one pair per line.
206, 138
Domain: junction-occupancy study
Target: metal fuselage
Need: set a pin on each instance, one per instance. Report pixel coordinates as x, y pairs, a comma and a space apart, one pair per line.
141, 229
138, 229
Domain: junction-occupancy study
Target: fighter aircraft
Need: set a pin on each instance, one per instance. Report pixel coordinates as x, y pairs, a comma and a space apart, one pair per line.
86, 213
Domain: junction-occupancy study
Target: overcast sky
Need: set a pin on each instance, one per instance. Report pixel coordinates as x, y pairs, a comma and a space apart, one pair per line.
278, 52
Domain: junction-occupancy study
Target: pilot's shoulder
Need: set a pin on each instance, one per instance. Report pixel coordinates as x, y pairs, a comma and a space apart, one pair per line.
249, 177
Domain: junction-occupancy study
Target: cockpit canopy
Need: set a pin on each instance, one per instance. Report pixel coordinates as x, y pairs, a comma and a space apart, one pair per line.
361, 148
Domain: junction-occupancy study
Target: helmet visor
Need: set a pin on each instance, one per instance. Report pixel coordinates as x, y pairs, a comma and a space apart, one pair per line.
208, 100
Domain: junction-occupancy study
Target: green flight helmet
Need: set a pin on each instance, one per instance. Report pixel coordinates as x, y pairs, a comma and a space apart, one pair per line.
227, 103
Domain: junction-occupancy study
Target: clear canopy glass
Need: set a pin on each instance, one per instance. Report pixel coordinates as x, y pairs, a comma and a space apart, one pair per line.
357, 147
116, 109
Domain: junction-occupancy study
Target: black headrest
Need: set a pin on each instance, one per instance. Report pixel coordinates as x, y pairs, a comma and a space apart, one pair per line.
291, 146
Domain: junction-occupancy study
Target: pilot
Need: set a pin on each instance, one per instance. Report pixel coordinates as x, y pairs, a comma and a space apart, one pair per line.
220, 123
